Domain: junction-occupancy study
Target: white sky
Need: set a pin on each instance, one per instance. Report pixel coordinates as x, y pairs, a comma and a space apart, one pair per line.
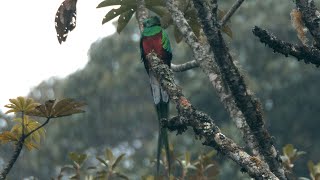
29, 49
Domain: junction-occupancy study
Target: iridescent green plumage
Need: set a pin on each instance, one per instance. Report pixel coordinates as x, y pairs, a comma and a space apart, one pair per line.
155, 39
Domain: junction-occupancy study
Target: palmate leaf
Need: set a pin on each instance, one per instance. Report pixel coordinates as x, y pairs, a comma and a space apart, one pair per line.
29, 125
21, 104
53, 109
8, 136
124, 19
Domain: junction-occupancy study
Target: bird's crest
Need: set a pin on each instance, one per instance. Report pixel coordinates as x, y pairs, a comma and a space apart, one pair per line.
152, 21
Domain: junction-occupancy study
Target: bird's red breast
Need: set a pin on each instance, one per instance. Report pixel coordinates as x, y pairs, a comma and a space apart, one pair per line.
154, 43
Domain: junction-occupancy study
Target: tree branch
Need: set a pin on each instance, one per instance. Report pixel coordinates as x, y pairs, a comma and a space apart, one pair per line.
203, 126
206, 63
18, 148
311, 18
229, 14
308, 54
185, 66
250, 106
141, 13
16, 153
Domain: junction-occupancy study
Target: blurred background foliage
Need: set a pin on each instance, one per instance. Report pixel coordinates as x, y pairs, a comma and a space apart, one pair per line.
120, 114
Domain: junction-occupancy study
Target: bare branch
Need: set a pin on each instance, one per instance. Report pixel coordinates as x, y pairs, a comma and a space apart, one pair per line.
311, 18
203, 126
250, 106
206, 63
229, 14
185, 66
308, 54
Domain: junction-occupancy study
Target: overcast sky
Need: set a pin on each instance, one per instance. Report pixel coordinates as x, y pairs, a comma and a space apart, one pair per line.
30, 51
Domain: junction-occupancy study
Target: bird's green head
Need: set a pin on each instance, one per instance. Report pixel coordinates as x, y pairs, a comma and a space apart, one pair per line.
152, 21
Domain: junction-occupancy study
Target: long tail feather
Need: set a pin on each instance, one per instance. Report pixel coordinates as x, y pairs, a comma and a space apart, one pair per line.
163, 111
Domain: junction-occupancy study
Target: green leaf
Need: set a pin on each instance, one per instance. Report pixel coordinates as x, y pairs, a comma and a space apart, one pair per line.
192, 167
211, 153
102, 161
124, 19
288, 150
149, 177
109, 155
191, 16
78, 158
311, 167
115, 12
159, 10
120, 175
187, 157
106, 3
116, 162
155, 3
101, 175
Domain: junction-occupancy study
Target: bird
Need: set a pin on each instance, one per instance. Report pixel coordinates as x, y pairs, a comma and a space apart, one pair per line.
155, 39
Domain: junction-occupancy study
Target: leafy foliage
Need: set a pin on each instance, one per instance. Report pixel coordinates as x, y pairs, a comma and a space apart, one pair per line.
32, 141
314, 170
21, 104
128, 7
204, 167
28, 132
290, 154
106, 171
53, 109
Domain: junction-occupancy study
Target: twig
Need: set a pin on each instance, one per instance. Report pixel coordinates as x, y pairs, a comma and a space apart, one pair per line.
311, 18
308, 54
203, 126
43, 124
229, 14
185, 66
250, 106
206, 63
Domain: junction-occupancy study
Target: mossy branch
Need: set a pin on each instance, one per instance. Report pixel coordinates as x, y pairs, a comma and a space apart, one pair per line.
202, 124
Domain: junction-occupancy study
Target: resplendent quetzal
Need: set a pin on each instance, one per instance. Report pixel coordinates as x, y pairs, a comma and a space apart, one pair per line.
154, 38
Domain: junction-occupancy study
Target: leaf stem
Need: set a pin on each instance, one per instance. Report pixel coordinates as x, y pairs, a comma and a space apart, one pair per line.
46, 122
